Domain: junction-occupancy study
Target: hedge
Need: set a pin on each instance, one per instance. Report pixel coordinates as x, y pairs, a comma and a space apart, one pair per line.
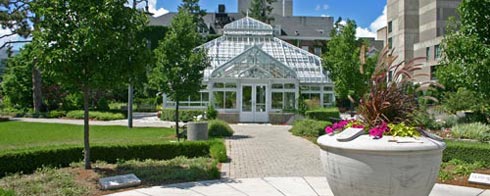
104, 116
4, 192
184, 115
219, 128
467, 151
217, 151
324, 114
309, 128
28, 161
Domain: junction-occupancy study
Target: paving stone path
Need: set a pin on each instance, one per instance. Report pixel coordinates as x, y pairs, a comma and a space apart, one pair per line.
270, 151
272, 186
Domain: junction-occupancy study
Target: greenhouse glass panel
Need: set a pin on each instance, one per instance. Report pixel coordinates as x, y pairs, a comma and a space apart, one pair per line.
219, 101
277, 100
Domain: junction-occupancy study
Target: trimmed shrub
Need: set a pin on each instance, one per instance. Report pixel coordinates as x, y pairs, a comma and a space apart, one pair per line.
309, 128
217, 151
467, 151
28, 161
324, 114
184, 115
211, 113
6, 192
219, 128
56, 114
104, 116
477, 131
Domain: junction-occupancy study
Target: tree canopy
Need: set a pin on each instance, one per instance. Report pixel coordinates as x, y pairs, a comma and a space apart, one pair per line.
16, 16
466, 48
465, 65
261, 10
179, 66
343, 63
89, 45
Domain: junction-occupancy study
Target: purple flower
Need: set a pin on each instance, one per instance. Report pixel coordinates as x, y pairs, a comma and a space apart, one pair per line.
377, 132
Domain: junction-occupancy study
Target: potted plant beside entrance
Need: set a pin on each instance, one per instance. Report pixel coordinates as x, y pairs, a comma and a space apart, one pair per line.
197, 129
383, 152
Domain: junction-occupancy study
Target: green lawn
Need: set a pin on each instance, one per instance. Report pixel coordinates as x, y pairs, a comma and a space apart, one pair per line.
20, 135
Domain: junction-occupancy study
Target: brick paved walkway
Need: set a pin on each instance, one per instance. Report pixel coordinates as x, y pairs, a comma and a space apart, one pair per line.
270, 151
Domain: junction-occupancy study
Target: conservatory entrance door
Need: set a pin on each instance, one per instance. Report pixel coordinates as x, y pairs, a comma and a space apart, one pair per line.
254, 103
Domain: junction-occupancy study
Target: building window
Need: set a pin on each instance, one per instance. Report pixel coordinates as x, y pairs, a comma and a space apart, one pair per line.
437, 52
390, 43
277, 100
427, 54
390, 76
305, 48
327, 100
283, 100
433, 70
390, 27
318, 51
327, 88
224, 99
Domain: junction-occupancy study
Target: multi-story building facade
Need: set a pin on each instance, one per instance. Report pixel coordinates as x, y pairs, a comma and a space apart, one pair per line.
415, 28
307, 32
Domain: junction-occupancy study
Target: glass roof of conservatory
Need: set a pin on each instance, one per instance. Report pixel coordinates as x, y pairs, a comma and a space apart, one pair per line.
248, 49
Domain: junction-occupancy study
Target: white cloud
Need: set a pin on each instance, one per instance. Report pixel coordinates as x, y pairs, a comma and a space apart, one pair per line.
325, 7
8, 38
152, 4
318, 8
364, 32
373, 27
152, 7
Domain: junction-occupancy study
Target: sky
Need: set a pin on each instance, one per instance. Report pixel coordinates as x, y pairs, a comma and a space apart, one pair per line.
370, 15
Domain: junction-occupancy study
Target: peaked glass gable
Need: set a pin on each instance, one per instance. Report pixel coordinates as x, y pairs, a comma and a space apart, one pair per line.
249, 34
253, 63
248, 26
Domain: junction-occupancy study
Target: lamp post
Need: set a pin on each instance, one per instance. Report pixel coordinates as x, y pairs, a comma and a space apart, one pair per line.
130, 86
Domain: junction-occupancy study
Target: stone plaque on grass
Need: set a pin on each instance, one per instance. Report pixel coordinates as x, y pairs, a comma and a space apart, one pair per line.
121, 181
479, 178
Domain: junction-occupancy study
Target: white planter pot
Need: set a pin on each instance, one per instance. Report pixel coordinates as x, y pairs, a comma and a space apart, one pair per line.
365, 166
197, 131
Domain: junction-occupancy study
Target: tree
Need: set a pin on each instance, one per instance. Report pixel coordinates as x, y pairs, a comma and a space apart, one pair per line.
17, 80
179, 65
343, 62
466, 59
89, 45
261, 10
197, 13
15, 15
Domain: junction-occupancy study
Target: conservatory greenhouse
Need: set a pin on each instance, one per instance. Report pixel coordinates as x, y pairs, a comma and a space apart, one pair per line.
254, 75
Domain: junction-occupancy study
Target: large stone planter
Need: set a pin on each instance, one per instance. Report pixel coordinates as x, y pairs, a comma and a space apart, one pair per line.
197, 131
365, 166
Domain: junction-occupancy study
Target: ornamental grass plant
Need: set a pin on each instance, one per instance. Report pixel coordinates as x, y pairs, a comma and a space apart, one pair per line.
388, 107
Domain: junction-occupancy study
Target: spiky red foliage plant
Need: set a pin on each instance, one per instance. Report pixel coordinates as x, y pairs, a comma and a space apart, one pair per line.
390, 99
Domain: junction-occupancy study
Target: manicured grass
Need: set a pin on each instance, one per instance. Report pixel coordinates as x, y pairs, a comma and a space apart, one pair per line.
22, 135
77, 181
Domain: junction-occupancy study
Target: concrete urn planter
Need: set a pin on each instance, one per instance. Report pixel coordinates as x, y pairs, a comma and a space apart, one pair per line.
197, 131
365, 166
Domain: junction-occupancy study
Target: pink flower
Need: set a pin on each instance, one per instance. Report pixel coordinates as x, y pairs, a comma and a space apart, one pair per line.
329, 130
377, 132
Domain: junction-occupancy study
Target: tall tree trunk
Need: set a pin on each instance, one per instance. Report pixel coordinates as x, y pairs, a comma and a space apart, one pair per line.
177, 119
36, 89
37, 96
86, 144
130, 105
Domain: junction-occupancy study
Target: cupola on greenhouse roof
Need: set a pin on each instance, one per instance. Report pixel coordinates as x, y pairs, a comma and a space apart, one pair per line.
248, 49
